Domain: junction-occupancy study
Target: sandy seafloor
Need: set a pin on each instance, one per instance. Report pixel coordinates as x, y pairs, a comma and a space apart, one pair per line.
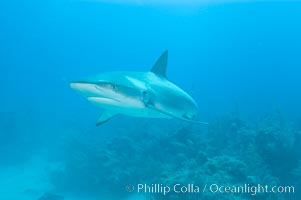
30, 180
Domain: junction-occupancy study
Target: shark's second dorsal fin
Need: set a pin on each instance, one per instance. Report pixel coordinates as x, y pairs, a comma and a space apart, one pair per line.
160, 66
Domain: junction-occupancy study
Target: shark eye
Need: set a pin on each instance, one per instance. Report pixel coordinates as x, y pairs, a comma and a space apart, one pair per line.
113, 87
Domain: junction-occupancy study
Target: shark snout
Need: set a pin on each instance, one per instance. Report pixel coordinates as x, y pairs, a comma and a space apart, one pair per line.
94, 89
84, 88
76, 85
80, 86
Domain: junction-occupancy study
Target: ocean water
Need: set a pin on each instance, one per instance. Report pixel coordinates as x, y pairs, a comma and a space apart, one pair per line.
239, 60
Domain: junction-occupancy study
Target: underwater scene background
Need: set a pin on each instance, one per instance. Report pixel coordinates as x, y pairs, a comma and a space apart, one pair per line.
240, 61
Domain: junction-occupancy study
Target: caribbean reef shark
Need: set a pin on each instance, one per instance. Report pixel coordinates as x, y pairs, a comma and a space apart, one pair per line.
138, 94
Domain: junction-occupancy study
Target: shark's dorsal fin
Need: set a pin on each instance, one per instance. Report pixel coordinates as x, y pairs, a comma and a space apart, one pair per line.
106, 116
160, 66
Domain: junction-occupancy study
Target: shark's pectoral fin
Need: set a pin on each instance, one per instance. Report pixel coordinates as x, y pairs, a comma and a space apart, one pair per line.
106, 116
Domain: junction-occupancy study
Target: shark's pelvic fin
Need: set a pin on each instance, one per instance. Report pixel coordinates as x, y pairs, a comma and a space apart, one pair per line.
106, 116
160, 66
151, 106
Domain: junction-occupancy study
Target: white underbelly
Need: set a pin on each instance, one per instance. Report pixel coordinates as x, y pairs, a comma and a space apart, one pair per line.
132, 108
143, 112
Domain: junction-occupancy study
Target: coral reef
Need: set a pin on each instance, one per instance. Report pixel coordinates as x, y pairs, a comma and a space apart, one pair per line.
229, 152
49, 196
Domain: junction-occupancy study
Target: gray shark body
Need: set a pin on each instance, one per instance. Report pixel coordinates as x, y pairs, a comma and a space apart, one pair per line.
138, 94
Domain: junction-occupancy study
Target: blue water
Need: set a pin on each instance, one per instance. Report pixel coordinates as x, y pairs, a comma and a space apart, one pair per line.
240, 61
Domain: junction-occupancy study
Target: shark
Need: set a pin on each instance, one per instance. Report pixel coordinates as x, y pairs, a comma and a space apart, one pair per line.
138, 94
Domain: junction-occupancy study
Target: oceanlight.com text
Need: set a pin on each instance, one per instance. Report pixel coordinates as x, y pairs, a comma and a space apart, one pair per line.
250, 189
209, 188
